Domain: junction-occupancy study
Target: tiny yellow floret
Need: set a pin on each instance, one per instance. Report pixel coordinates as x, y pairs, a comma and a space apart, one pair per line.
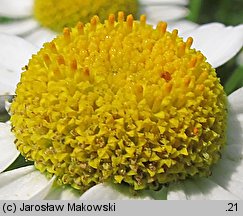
120, 101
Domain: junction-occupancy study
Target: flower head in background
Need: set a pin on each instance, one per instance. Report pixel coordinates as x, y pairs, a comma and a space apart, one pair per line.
123, 102
39, 21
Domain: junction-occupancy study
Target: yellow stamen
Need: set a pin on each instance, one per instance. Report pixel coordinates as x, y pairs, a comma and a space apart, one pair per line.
67, 33
143, 20
189, 42
121, 16
111, 20
130, 21
80, 28
161, 27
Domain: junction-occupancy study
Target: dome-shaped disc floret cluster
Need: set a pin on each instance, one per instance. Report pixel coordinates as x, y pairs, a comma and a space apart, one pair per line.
121, 102
57, 14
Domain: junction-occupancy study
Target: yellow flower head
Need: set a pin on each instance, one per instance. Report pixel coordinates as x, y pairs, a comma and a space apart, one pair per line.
57, 14
120, 101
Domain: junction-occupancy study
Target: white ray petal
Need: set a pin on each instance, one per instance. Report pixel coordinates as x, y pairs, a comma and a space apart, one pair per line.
106, 191
19, 27
182, 26
176, 191
40, 36
15, 52
213, 191
164, 13
16, 8
234, 152
235, 119
160, 2
8, 82
24, 183
236, 100
7, 105
2, 102
8, 151
217, 42
229, 175
62, 193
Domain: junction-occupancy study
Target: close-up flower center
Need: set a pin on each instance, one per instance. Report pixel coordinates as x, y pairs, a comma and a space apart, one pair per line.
62, 13
120, 101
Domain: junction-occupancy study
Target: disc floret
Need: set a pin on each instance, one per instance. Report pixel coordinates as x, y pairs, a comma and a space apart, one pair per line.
120, 101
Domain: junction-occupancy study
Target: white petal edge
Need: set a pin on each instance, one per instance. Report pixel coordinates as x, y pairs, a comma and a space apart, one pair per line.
19, 27
4, 101
199, 189
8, 82
7, 104
231, 164
24, 184
2, 105
229, 175
182, 26
217, 42
213, 191
176, 191
16, 8
105, 191
62, 193
8, 151
236, 100
160, 2
15, 52
39, 36
164, 13
192, 190
234, 152
235, 119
